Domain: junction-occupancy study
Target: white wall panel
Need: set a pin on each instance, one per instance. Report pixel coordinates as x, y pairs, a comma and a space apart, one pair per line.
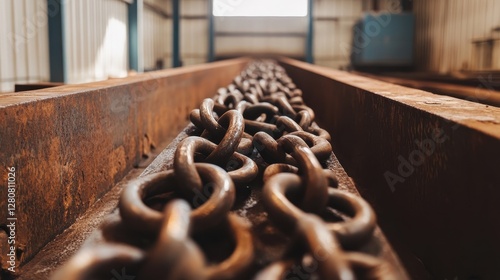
194, 31
289, 46
445, 30
20, 20
164, 6
23, 47
42, 41
194, 7
261, 24
286, 45
334, 20
96, 39
194, 41
157, 36
7, 66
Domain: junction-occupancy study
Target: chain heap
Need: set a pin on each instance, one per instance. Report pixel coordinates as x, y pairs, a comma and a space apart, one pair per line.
260, 120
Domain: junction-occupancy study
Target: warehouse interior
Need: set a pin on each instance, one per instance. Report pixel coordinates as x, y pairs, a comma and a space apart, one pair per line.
351, 139
98, 40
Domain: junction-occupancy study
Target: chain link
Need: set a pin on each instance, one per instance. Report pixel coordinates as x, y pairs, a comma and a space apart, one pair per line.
258, 122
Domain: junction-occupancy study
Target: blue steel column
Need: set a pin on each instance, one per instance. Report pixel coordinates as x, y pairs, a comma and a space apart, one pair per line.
57, 51
134, 25
211, 31
310, 33
176, 58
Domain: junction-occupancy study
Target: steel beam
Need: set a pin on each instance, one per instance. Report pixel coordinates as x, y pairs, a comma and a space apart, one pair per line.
428, 163
71, 144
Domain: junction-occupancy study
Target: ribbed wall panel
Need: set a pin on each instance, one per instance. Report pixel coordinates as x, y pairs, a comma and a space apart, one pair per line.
288, 35
194, 31
445, 30
24, 44
157, 36
96, 39
334, 20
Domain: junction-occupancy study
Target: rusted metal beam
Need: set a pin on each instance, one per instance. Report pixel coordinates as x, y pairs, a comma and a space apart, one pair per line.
483, 92
428, 163
71, 144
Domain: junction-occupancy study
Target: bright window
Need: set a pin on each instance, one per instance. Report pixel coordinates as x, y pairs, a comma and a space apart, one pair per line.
260, 8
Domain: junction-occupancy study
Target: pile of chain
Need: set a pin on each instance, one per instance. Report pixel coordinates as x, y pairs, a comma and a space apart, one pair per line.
259, 121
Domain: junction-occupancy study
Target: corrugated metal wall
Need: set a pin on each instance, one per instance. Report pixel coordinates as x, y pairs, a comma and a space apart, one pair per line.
157, 34
194, 31
24, 42
333, 23
445, 30
96, 39
96, 36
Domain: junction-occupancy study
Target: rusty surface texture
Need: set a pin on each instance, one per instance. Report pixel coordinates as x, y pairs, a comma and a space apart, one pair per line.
483, 92
59, 250
429, 164
71, 144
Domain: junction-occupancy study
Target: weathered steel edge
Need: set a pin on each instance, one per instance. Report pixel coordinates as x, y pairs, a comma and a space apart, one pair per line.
71, 144
17, 98
444, 208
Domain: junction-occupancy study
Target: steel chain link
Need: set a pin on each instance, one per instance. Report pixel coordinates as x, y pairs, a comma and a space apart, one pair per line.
260, 115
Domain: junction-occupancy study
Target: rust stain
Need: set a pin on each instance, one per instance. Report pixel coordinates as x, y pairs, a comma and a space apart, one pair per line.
117, 157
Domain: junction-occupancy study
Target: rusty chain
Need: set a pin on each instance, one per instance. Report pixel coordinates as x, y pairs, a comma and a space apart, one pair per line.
258, 121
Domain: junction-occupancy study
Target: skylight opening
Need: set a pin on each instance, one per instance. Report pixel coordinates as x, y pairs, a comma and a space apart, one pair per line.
260, 8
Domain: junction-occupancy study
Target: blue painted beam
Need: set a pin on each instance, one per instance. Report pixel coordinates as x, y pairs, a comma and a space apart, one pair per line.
134, 23
57, 52
176, 58
211, 31
310, 33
